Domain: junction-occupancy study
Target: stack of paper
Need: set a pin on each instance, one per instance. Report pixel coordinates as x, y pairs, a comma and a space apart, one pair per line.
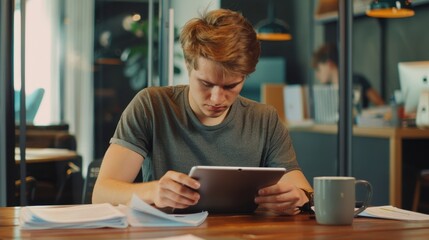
389, 212
142, 214
138, 214
80, 216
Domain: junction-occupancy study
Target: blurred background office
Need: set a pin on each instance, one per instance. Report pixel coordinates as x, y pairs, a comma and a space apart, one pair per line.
91, 57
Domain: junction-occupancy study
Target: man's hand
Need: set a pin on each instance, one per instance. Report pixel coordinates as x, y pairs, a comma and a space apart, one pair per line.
176, 190
281, 198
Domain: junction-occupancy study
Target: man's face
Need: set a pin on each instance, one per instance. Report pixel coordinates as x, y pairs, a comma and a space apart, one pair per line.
210, 93
324, 72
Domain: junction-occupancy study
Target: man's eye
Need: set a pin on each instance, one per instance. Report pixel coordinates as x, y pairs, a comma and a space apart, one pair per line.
207, 84
230, 87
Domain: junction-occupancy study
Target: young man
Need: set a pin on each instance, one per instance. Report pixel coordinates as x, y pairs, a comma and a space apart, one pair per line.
171, 129
325, 62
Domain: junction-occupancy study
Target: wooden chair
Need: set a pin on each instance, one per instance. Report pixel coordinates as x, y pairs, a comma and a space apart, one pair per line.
30, 189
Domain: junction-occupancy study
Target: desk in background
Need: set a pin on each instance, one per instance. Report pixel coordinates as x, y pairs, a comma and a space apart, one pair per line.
40, 155
378, 155
258, 226
57, 172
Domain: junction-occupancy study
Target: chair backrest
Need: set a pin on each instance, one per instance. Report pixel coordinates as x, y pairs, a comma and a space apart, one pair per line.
91, 177
32, 104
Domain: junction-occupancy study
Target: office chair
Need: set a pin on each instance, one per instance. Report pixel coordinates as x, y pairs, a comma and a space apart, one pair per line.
32, 104
91, 177
73, 176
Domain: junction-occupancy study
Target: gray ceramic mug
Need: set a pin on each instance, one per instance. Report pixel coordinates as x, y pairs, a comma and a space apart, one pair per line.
335, 199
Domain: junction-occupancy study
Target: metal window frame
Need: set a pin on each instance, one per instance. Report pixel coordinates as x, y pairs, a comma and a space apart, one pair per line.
7, 113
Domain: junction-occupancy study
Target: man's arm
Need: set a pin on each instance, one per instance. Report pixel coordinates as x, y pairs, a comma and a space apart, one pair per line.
115, 184
118, 170
298, 179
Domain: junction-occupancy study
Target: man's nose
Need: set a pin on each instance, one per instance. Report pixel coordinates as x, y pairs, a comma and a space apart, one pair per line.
217, 95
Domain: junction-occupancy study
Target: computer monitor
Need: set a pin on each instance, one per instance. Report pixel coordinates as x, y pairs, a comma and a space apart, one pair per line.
413, 77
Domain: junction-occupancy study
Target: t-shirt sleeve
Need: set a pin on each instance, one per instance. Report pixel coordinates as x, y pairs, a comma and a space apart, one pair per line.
134, 127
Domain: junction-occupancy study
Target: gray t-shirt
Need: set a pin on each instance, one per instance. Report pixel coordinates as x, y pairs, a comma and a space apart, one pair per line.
160, 125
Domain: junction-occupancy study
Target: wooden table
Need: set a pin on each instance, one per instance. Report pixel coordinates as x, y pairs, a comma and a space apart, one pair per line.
258, 226
394, 137
57, 172
40, 155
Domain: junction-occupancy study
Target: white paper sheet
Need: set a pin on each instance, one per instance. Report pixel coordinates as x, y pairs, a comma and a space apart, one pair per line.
390, 212
141, 214
138, 214
79, 216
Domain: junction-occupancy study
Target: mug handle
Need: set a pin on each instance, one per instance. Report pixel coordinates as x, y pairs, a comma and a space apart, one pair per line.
368, 196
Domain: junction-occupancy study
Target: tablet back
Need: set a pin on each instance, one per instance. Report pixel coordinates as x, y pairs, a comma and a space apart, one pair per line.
231, 189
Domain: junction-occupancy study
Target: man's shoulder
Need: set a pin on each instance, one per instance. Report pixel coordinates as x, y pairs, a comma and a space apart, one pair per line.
164, 91
254, 106
247, 102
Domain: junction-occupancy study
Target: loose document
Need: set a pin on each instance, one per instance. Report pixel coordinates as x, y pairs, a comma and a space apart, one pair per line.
137, 214
390, 212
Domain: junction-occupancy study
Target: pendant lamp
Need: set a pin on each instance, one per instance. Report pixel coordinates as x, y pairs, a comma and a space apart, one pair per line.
273, 29
390, 9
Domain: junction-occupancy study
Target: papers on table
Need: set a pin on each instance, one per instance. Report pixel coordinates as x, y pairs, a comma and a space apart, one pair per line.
138, 214
142, 214
390, 212
79, 216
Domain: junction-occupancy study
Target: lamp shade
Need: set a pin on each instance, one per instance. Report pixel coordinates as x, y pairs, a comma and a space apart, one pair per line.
273, 29
390, 9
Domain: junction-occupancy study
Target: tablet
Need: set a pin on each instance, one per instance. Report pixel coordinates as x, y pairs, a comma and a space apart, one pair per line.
231, 189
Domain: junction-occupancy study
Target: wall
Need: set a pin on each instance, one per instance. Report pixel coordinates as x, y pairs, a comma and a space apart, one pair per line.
298, 14
408, 40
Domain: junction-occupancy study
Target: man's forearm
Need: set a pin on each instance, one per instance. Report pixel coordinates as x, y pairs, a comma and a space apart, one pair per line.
118, 192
